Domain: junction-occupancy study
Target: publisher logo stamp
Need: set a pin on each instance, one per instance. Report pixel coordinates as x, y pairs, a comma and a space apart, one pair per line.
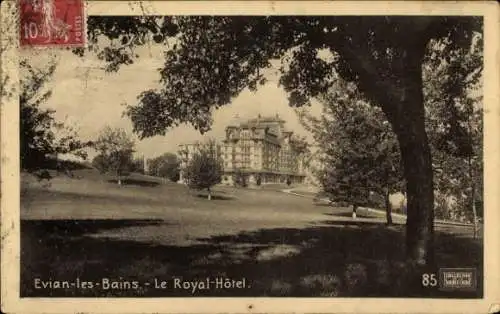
457, 278
52, 23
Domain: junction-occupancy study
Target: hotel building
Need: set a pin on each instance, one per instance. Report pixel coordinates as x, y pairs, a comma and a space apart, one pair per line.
258, 147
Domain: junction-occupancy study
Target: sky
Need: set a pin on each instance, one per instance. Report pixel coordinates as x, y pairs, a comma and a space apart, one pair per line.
87, 98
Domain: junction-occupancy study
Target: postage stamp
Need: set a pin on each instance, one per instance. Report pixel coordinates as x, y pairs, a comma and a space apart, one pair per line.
52, 23
257, 157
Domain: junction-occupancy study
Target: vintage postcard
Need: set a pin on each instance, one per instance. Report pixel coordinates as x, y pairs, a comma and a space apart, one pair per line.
250, 157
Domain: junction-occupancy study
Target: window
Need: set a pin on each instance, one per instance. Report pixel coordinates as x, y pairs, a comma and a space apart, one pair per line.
245, 154
245, 135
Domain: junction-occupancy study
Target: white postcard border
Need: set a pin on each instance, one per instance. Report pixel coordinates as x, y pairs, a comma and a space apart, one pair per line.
10, 186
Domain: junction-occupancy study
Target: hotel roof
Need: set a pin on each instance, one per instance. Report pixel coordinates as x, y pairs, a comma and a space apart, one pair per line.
259, 122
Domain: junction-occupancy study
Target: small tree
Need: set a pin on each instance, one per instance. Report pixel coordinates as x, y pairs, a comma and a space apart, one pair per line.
115, 149
204, 170
359, 150
166, 166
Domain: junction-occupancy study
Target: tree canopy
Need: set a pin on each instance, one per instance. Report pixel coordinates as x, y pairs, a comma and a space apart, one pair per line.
204, 169
115, 148
359, 152
209, 59
454, 122
42, 137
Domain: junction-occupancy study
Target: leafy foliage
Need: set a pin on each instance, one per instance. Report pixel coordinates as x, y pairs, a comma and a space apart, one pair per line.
166, 165
9, 20
115, 149
210, 59
41, 136
204, 169
358, 148
454, 123
299, 144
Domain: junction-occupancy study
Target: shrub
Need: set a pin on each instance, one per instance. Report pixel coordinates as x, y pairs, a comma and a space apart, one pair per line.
166, 166
204, 170
259, 180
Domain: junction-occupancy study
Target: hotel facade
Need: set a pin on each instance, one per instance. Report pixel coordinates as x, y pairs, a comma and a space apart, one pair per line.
255, 148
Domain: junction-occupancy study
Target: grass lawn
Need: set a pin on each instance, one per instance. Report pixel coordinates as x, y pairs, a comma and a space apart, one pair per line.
283, 245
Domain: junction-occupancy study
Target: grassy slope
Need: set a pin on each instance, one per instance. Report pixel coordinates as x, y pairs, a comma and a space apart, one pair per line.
90, 228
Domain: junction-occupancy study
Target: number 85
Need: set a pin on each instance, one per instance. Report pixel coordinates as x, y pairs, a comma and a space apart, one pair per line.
429, 280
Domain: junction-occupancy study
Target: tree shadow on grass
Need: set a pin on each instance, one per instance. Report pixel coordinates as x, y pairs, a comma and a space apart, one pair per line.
45, 228
349, 214
137, 182
215, 197
338, 259
322, 204
364, 223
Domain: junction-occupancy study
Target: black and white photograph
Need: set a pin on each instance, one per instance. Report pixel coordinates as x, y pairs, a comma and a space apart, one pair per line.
277, 155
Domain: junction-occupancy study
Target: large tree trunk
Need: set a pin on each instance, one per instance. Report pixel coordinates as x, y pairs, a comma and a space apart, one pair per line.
400, 96
388, 207
474, 212
408, 122
473, 196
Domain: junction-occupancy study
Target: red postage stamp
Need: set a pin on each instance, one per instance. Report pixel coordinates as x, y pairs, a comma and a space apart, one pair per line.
52, 23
